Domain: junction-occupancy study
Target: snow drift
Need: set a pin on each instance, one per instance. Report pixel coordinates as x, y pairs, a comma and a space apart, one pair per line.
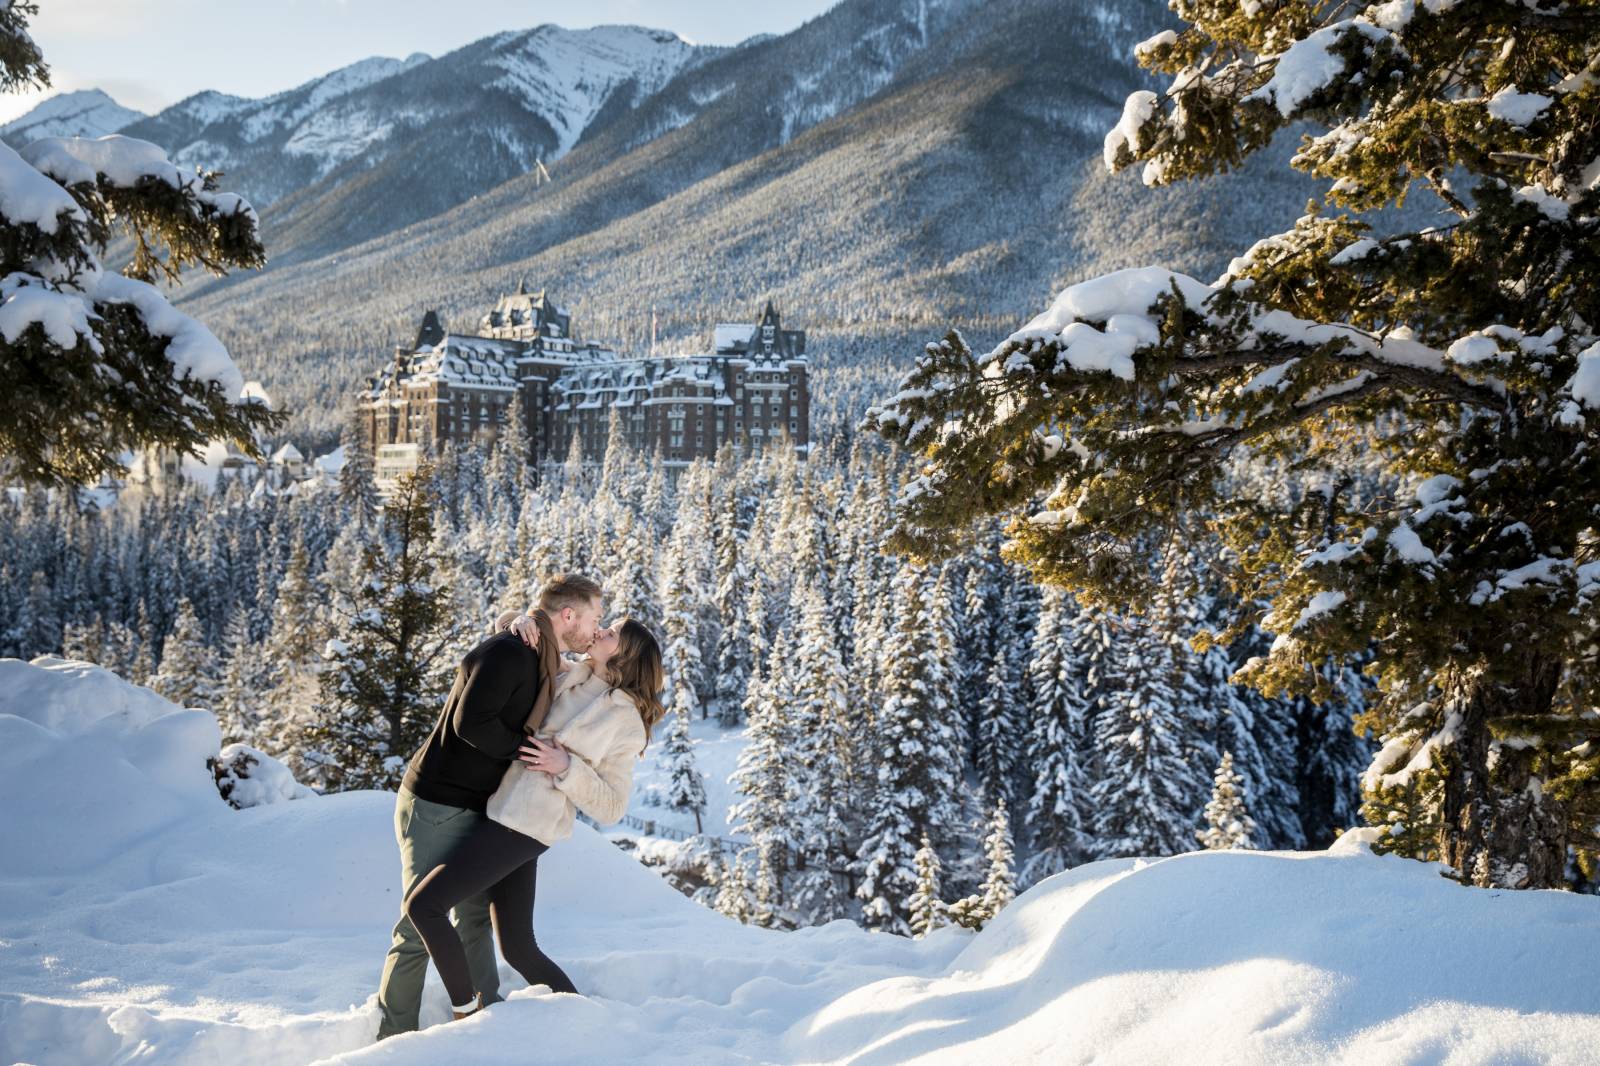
144, 919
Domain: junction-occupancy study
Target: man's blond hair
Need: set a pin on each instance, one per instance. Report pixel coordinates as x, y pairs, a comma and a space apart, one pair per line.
568, 590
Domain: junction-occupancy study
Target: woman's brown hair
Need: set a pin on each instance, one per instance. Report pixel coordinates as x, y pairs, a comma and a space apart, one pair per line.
636, 671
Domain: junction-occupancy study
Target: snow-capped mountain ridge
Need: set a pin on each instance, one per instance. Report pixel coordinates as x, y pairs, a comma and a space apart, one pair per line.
86, 113
488, 110
569, 75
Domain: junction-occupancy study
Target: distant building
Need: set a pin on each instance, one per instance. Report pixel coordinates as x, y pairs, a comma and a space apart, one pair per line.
753, 388
220, 461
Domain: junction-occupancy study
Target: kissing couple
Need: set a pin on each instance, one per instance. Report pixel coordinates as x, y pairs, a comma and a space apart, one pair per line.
523, 742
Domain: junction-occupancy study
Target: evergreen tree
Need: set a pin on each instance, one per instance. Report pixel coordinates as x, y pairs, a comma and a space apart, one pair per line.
190, 675
1330, 756
388, 671
734, 891
246, 680
359, 477
680, 599
508, 476
686, 790
1461, 356
944, 623
822, 750
733, 655
762, 779
293, 659
631, 579
101, 364
1147, 796
1228, 823
999, 884
987, 632
618, 462
1056, 743
82, 643
916, 757
927, 909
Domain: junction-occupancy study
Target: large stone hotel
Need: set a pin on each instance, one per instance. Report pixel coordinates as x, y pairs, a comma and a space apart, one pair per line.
751, 389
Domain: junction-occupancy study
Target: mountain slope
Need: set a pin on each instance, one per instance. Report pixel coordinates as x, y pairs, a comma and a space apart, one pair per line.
740, 102
87, 113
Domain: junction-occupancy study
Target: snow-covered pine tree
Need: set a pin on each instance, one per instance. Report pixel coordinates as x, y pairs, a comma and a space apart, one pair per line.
293, 654
999, 883
733, 659
190, 674
734, 892
926, 907
508, 476
358, 485
655, 502
762, 777
680, 599
983, 592
686, 785
387, 672
98, 363
618, 463
82, 642
822, 800
1464, 355
1228, 822
36, 628
918, 763
245, 682
630, 582
1147, 795
945, 624
1055, 743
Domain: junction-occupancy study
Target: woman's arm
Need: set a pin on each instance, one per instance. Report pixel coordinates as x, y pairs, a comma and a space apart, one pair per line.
520, 623
601, 790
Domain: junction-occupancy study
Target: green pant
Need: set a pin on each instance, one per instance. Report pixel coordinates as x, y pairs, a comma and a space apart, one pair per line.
427, 833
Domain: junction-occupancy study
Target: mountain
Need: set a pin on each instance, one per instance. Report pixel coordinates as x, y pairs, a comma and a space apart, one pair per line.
414, 137
86, 113
886, 171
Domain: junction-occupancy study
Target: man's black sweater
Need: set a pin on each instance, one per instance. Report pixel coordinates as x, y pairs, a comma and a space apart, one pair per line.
480, 729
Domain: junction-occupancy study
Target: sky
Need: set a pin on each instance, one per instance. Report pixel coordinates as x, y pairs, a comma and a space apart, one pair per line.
149, 54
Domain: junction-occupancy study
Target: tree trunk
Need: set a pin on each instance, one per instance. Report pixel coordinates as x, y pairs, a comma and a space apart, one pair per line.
1499, 828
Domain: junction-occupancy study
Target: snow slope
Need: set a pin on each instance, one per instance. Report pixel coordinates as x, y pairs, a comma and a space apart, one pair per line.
143, 920
86, 113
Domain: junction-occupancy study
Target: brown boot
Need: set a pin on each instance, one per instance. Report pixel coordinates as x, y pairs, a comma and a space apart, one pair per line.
457, 1015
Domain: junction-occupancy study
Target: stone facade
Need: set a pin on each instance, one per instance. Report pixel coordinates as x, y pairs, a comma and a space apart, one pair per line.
752, 389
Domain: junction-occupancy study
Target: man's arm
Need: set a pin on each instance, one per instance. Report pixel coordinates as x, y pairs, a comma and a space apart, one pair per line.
494, 681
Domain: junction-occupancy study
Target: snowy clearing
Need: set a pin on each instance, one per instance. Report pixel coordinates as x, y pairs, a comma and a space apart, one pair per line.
144, 920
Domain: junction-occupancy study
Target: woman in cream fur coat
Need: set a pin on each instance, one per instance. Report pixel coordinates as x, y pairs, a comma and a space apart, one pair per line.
581, 759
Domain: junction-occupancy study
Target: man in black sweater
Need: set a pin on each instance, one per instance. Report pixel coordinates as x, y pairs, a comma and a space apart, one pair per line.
498, 686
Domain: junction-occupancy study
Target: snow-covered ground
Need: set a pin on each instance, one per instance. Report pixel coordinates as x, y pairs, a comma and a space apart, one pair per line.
144, 920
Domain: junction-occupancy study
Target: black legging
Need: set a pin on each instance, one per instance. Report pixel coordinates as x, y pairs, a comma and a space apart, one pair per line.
505, 863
